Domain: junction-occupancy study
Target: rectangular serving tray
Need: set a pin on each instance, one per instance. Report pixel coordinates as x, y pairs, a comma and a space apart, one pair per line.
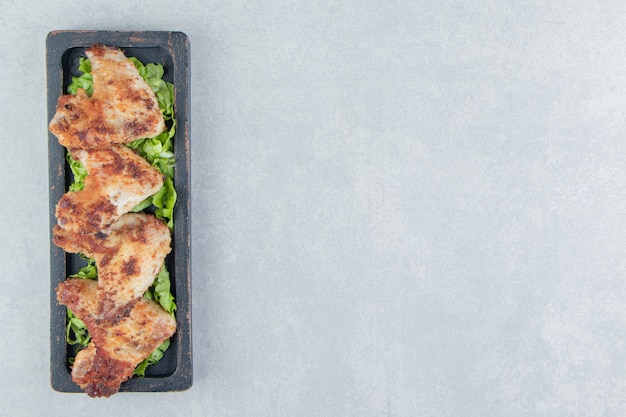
171, 49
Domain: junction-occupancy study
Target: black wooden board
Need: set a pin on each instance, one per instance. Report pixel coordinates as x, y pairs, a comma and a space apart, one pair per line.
171, 49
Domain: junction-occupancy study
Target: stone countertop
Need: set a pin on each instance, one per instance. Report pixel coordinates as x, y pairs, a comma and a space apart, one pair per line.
398, 208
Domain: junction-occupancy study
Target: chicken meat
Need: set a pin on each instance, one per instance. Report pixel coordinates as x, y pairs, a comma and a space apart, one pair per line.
129, 258
118, 179
115, 348
121, 109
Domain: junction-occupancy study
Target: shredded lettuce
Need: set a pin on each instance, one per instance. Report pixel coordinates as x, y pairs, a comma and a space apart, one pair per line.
89, 271
83, 81
78, 171
152, 359
164, 91
159, 152
76, 332
160, 291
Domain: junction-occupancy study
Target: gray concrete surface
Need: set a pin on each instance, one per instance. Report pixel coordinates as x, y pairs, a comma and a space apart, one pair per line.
399, 208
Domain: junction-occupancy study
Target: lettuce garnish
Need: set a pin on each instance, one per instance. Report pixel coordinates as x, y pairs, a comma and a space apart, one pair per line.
159, 291
78, 171
83, 81
159, 151
76, 332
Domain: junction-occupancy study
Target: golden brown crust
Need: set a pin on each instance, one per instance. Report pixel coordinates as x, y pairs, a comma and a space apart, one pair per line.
128, 255
122, 108
118, 179
116, 348
136, 247
106, 375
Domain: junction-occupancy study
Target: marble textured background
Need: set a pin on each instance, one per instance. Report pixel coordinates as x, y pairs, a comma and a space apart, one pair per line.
399, 208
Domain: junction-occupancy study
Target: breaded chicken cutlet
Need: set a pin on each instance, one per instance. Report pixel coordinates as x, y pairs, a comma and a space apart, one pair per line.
118, 179
121, 109
115, 349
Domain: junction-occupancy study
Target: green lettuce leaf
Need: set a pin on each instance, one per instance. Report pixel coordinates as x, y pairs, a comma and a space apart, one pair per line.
160, 291
83, 81
88, 271
76, 332
152, 359
78, 171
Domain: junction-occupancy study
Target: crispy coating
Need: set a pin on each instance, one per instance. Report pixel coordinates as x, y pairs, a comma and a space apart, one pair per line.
116, 349
118, 179
122, 108
128, 260
129, 254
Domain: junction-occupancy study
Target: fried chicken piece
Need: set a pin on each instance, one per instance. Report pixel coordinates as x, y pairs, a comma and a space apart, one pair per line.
116, 349
128, 255
118, 179
128, 261
122, 108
